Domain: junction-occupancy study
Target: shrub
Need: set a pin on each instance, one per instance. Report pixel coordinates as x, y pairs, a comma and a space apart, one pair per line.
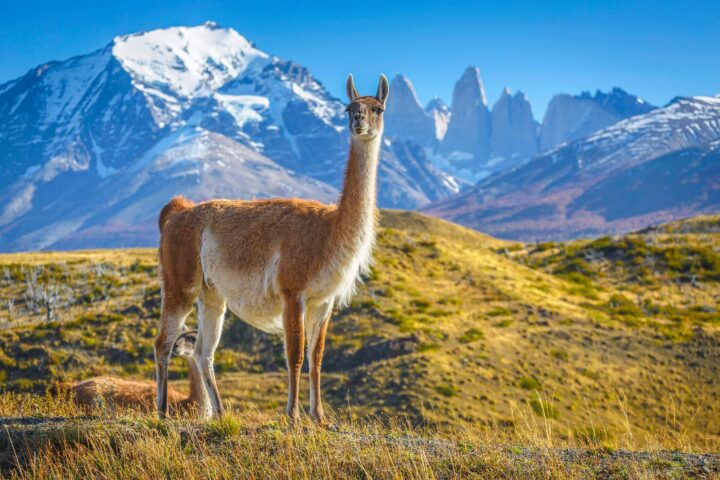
541, 247
622, 306
579, 278
420, 305
428, 347
504, 323
576, 265
447, 390
543, 409
408, 248
450, 301
499, 312
471, 335
224, 427
560, 354
529, 383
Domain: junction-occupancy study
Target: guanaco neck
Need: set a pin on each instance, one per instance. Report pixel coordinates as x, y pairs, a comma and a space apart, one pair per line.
356, 213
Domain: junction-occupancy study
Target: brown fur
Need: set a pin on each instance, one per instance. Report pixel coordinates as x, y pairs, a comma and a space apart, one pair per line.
176, 204
115, 392
306, 254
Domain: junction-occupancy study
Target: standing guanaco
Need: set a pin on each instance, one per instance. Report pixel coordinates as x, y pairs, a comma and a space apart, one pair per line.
279, 264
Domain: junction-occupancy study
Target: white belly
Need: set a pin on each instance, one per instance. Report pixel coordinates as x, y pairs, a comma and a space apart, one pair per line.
247, 298
252, 296
268, 318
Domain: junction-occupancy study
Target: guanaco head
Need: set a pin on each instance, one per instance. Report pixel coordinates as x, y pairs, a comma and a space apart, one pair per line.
365, 114
185, 344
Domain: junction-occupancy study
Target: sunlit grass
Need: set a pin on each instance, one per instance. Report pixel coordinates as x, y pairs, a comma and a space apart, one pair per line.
248, 444
493, 346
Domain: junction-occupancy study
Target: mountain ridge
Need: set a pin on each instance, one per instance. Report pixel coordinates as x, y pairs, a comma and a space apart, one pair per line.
549, 197
67, 127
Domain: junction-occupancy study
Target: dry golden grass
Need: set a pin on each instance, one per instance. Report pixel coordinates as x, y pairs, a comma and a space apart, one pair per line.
492, 346
247, 444
120, 257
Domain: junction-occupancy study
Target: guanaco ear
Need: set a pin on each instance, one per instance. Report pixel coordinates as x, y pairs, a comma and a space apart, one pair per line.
352, 92
383, 89
185, 344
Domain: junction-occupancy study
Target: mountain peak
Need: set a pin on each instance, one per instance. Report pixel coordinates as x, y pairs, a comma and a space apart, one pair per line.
470, 87
472, 72
402, 89
513, 127
522, 96
405, 117
570, 117
185, 61
436, 103
468, 133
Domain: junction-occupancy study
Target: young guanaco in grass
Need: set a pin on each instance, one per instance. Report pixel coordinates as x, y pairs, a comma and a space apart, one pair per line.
112, 392
280, 264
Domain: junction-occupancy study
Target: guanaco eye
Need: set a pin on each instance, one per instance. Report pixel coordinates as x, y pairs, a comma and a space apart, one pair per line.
377, 110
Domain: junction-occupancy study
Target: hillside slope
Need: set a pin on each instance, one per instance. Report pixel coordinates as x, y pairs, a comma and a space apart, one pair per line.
452, 327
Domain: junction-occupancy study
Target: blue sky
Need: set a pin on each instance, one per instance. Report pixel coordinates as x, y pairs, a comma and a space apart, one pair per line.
656, 49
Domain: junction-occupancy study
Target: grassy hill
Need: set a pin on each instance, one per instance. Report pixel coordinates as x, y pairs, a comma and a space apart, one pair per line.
611, 341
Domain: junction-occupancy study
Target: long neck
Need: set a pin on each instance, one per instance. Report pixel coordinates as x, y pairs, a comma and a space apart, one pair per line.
356, 211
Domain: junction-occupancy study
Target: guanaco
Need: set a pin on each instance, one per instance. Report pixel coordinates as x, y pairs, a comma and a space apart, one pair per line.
112, 392
279, 264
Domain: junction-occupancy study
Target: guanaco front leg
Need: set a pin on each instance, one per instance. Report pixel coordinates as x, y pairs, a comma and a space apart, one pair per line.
293, 313
175, 310
318, 319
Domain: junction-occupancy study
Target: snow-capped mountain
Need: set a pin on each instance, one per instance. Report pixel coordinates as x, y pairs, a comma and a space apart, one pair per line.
658, 166
120, 210
92, 146
570, 117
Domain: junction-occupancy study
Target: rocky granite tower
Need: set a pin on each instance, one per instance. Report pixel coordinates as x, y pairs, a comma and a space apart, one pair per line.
514, 131
405, 117
468, 137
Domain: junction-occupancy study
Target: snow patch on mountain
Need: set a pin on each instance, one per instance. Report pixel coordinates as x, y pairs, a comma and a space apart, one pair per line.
69, 85
181, 63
